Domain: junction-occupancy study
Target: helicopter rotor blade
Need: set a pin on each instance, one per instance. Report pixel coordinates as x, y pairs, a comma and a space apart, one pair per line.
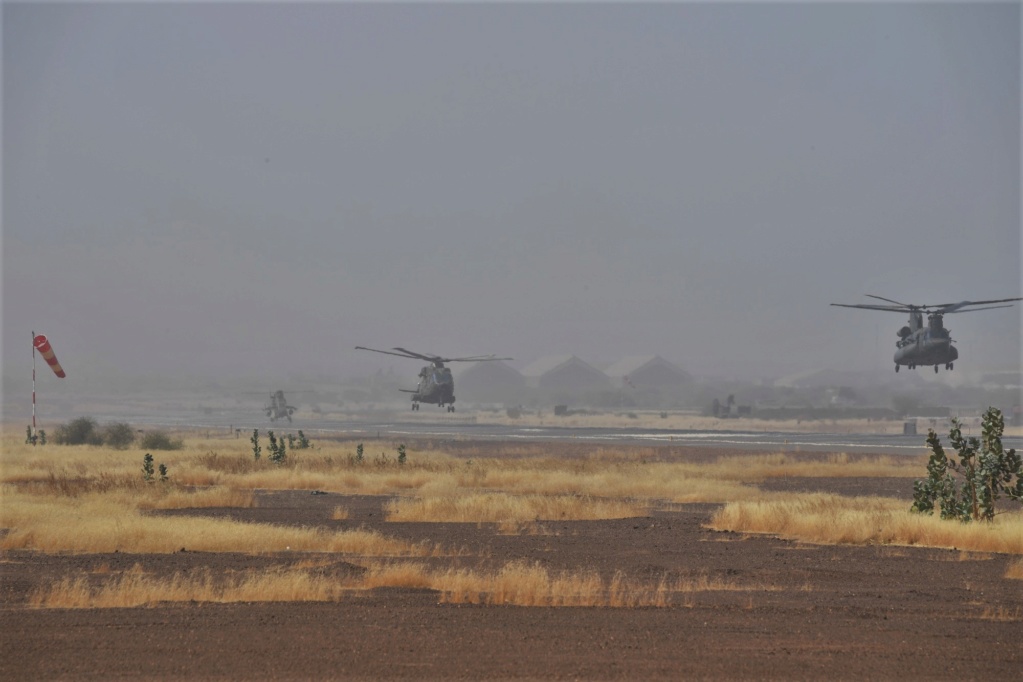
973, 310
406, 354
421, 356
956, 307
889, 309
478, 358
888, 300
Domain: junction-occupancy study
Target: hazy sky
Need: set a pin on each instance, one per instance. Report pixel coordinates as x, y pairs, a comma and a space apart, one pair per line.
249, 189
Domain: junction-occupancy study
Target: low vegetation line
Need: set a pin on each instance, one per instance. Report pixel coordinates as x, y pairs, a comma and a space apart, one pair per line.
504, 508
516, 584
832, 519
99, 524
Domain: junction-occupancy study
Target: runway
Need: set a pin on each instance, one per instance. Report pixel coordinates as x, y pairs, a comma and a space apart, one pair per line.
393, 426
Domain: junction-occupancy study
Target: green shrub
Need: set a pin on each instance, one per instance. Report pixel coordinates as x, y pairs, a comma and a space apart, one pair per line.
967, 488
81, 431
277, 449
147, 467
256, 450
118, 435
158, 440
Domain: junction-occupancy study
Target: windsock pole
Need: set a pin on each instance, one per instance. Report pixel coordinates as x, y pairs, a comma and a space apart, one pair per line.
33, 384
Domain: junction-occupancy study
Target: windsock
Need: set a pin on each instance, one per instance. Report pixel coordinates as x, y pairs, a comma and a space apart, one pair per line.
43, 346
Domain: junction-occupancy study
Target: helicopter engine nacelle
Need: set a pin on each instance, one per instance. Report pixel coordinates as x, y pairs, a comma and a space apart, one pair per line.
904, 332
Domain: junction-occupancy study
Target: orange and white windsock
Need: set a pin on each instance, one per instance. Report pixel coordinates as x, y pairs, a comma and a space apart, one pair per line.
43, 346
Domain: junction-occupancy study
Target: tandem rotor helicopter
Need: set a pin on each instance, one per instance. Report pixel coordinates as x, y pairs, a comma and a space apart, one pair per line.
931, 344
436, 386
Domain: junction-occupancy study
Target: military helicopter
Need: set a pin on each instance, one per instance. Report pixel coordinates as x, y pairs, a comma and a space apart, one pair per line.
436, 386
931, 344
278, 407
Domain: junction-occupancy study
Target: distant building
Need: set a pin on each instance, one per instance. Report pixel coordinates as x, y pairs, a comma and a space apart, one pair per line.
647, 371
565, 372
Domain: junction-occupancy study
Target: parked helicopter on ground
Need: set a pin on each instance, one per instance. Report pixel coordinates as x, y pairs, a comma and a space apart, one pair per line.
278, 407
436, 386
930, 344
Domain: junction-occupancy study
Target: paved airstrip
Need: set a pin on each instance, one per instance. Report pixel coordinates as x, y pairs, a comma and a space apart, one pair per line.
395, 426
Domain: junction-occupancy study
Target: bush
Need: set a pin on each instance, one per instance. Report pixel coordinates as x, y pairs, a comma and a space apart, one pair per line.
967, 489
81, 431
158, 440
118, 435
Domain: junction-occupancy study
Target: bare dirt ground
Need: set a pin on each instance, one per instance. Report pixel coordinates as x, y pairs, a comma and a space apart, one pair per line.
821, 612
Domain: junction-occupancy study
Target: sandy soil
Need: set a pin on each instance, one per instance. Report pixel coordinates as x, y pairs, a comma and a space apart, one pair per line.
834, 612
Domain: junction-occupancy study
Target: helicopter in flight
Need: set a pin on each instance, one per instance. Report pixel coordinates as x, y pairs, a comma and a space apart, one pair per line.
436, 386
279, 407
928, 344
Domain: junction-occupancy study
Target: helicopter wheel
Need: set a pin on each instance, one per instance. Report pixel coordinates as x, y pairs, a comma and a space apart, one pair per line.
896, 368
951, 366
935, 369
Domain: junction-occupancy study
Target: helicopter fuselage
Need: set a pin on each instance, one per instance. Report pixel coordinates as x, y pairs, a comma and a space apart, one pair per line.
436, 387
925, 348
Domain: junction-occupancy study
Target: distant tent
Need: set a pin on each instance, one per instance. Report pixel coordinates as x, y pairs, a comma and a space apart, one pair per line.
565, 372
648, 371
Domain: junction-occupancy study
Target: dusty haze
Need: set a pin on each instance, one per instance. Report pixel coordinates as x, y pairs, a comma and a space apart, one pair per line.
248, 191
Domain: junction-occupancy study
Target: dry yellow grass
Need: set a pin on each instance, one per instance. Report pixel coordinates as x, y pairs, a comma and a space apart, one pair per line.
1002, 614
516, 584
832, 519
504, 508
100, 524
134, 588
228, 463
1015, 570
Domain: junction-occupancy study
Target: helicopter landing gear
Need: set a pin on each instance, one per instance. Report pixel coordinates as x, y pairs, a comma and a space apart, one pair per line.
935, 369
415, 407
896, 368
948, 367
451, 408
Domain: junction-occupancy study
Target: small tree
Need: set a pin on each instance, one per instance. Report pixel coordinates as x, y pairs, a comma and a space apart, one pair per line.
986, 471
256, 450
118, 435
159, 440
358, 454
81, 431
277, 453
303, 442
401, 454
291, 441
30, 438
42, 437
163, 473
147, 467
